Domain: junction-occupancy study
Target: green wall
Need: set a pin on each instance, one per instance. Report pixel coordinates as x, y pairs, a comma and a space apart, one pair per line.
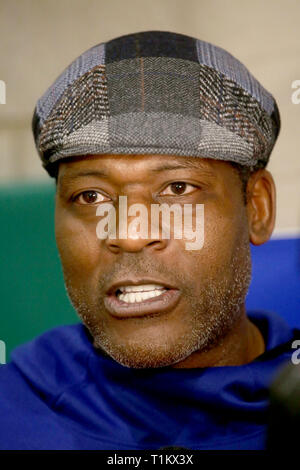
33, 297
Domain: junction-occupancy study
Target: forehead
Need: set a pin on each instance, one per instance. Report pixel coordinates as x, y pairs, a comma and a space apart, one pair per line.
108, 165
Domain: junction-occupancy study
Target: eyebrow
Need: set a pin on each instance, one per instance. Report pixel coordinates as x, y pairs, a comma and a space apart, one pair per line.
98, 173
177, 166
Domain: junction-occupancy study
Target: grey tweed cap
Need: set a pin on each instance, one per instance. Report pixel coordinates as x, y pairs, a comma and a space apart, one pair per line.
160, 93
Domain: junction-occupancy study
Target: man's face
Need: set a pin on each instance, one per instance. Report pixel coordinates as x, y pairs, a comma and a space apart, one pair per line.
205, 289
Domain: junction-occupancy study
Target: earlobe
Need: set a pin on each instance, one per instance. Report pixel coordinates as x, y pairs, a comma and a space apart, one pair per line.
261, 206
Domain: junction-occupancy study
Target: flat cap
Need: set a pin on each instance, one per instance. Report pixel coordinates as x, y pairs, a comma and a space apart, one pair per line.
160, 93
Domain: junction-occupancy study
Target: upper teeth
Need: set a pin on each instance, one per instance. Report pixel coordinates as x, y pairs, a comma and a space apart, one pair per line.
139, 293
140, 288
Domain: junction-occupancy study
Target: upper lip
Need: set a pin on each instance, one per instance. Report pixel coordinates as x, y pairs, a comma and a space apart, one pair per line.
136, 282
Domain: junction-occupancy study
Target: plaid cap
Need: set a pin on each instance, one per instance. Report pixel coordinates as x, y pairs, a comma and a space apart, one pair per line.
158, 93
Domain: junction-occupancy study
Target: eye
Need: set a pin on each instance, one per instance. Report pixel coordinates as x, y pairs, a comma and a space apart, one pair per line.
89, 197
178, 188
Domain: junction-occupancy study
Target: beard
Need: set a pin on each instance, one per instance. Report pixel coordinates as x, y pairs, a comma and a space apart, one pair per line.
210, 314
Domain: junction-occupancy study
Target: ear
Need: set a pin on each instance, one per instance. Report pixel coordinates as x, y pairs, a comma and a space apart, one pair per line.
261, 206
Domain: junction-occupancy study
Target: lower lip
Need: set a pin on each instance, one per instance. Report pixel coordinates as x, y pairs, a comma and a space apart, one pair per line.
161, 304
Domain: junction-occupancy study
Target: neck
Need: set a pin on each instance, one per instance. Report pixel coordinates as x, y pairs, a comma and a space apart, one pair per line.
241, 345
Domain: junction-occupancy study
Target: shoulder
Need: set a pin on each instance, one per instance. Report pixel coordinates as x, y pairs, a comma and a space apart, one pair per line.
39, 372
52, 361
277, 333
280, 343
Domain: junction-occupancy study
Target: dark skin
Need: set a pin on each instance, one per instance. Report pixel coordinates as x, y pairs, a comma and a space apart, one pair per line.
208, 326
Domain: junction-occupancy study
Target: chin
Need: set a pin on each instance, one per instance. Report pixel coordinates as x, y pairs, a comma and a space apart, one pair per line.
139, 356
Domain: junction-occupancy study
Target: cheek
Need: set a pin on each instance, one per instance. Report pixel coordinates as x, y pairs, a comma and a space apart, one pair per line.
77, 244
225, 230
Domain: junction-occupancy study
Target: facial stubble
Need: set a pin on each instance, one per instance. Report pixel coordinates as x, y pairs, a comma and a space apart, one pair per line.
213, 311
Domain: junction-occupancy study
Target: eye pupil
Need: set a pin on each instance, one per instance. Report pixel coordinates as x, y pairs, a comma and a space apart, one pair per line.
89, 196
179, 187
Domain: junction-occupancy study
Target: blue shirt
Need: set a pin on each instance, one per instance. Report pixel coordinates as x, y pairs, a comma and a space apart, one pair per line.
59, 392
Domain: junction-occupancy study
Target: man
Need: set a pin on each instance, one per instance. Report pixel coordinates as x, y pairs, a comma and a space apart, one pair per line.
166, 353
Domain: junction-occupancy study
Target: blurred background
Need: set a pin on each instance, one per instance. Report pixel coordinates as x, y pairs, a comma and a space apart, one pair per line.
38, 39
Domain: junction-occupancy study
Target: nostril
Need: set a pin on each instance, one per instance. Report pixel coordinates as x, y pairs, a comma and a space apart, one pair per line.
158, 244
114, 248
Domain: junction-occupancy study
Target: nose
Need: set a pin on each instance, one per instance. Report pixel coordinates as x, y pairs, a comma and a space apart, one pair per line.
134, 231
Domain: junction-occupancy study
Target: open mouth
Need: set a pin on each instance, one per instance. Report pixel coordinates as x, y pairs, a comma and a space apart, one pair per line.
141, 299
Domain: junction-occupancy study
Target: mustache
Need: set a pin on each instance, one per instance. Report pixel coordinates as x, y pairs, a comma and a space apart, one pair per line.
139, 267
